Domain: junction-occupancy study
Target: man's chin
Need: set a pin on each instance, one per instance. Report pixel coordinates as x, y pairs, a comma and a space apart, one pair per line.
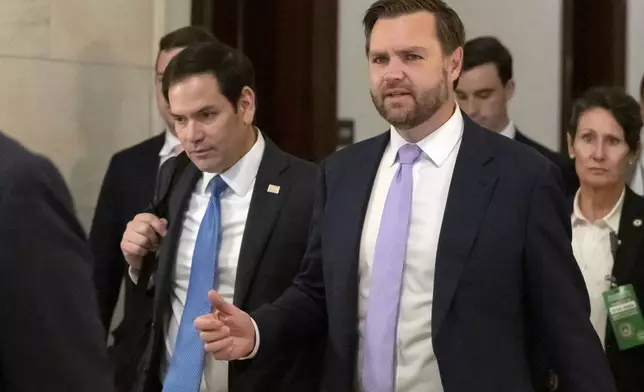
205, 165
209, 165
397, 116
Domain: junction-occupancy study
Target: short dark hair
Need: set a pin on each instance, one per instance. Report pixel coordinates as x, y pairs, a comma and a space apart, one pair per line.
232, 69
622, 106
449, 27
642, 88
183, 37
485, 50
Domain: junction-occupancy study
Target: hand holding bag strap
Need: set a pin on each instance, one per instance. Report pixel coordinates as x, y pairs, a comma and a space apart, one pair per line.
169, 175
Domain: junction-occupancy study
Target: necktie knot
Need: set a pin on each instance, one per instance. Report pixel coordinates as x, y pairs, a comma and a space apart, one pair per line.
216, 186
409, 154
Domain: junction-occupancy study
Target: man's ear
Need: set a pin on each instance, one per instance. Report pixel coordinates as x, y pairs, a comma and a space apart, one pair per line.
246, 105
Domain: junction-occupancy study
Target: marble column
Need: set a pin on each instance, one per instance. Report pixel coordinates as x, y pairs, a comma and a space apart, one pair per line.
76, 81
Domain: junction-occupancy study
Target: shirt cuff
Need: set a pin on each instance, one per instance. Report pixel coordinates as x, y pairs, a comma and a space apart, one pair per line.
134, 276
256, 348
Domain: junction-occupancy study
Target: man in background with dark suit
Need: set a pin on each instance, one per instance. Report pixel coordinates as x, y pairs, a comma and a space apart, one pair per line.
484, 90
237, 220
129, 184
51, 338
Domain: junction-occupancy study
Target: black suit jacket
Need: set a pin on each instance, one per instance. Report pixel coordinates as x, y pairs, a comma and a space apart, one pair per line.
127, 190
273, 245
566, 165
51, 338
628, 365
504, 263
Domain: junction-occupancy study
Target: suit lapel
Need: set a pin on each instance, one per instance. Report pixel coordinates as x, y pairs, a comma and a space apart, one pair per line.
149, 166
349, 199
469, 195
519, 137
177, 207
631, 235
263, 212
357, 184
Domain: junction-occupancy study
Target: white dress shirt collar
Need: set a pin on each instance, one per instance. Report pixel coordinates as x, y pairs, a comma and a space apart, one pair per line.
437, 146
509, 131
241, 175
611, 219
171, 141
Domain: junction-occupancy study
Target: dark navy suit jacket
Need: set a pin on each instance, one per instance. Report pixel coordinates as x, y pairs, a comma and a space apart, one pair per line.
51, 337
506, 280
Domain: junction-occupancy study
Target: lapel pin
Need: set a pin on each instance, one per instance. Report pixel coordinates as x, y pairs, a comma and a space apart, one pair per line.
637, 222
276, 189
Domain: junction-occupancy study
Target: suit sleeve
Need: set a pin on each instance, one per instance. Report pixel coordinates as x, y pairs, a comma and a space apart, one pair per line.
51, 338
300, 313
556, 292
105, 238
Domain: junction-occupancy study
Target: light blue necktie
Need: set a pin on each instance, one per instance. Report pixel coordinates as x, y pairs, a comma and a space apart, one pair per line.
186, 364
379, 363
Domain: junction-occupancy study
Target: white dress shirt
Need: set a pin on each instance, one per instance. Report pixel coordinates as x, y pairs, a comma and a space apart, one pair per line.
235, 202
417, 367
171, 148
592, 249
509, 130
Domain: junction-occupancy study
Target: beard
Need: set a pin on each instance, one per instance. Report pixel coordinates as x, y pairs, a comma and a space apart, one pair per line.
407, 115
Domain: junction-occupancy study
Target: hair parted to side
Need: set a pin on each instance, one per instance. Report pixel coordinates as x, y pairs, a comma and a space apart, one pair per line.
449, 27
232, 69
185, 36
488, 50
621, 106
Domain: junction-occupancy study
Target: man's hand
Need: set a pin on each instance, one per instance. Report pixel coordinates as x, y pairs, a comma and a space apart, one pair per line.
228, 332
142, 235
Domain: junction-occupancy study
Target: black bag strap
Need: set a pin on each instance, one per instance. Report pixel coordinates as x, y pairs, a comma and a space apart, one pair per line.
159, 208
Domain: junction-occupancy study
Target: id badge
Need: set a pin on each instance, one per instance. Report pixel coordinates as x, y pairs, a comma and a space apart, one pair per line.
625, 316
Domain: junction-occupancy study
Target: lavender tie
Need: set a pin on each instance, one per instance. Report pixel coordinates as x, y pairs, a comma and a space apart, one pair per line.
386, 278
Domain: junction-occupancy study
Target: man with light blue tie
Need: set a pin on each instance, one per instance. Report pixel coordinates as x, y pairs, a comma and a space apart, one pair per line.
439, 257
128, 187
186, 366
237, 221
